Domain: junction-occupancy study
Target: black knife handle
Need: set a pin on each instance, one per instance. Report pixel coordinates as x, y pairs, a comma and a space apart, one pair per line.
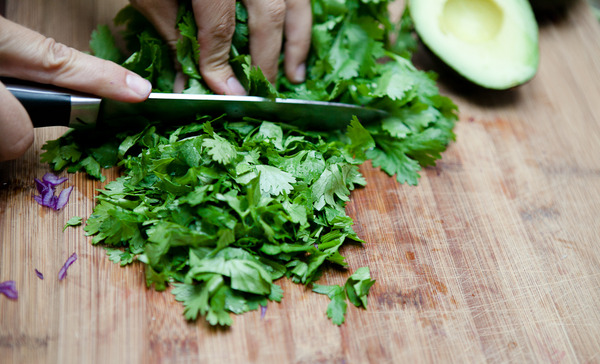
45, 107
52, 106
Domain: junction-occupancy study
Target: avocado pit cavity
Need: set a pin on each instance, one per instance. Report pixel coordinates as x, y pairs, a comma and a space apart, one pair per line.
472, 21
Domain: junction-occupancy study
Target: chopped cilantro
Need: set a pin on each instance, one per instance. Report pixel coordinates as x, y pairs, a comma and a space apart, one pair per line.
222, 209
238, 218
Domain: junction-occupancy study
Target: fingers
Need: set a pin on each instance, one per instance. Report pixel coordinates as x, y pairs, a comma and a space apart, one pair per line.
16, 130
266, 19
163, 15
28, 55
298, 24
216, 25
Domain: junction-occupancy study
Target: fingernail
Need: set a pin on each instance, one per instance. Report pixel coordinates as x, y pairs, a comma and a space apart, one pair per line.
139, 85
300, 73
235, 87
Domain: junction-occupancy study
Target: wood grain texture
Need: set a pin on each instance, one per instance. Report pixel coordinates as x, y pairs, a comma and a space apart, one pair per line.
493, 257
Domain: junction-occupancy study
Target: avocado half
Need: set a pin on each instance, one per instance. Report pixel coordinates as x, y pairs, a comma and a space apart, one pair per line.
492, 43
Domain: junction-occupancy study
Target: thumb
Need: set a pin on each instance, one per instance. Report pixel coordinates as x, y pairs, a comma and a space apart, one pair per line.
28, 55
16, 130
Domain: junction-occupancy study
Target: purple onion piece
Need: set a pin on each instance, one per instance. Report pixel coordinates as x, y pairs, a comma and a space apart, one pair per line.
53, 180
63, 198
46, 193
63, 271
46, 189
48, 199
39, 274
9, 289
41, 186
44, 200
263, 312
38, 199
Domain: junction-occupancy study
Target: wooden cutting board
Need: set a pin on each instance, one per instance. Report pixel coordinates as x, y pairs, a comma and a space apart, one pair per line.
493, 257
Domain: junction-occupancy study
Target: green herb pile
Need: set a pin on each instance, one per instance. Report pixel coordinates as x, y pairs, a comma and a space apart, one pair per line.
220, 209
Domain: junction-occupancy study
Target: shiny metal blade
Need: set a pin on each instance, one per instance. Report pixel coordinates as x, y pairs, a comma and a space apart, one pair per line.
180, 108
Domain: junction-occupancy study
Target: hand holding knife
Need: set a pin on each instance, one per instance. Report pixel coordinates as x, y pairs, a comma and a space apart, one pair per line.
55, 107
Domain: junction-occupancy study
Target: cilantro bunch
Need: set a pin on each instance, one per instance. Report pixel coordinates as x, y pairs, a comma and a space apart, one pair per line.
221, 209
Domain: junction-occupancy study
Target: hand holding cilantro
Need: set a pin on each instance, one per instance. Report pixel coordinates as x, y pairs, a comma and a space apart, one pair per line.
28, 55
268, 22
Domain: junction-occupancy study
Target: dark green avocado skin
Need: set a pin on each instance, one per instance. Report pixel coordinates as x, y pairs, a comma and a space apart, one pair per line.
549, 5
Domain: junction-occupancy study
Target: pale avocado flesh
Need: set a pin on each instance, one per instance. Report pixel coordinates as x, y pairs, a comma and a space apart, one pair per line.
493, 43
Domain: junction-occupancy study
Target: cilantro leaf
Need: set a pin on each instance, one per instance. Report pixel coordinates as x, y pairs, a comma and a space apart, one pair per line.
392, 158
360, 139
187, 48
336, 309
355, 290
357, 287
220, 149
273, 181
119, 256
207, 299
74, 221
276, 293
331, 184
103, 45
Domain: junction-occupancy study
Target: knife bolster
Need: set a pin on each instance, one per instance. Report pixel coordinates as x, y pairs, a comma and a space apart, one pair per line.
84, 111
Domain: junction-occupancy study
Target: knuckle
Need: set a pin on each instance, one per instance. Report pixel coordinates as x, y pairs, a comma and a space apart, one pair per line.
57, 56
214, 63
224, 29
275, 12
221, 30
297, 45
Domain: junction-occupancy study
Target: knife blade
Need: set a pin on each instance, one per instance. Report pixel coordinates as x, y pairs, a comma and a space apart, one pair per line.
57, 107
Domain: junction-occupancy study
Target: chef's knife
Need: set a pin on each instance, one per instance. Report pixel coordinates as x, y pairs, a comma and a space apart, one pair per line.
54, 107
